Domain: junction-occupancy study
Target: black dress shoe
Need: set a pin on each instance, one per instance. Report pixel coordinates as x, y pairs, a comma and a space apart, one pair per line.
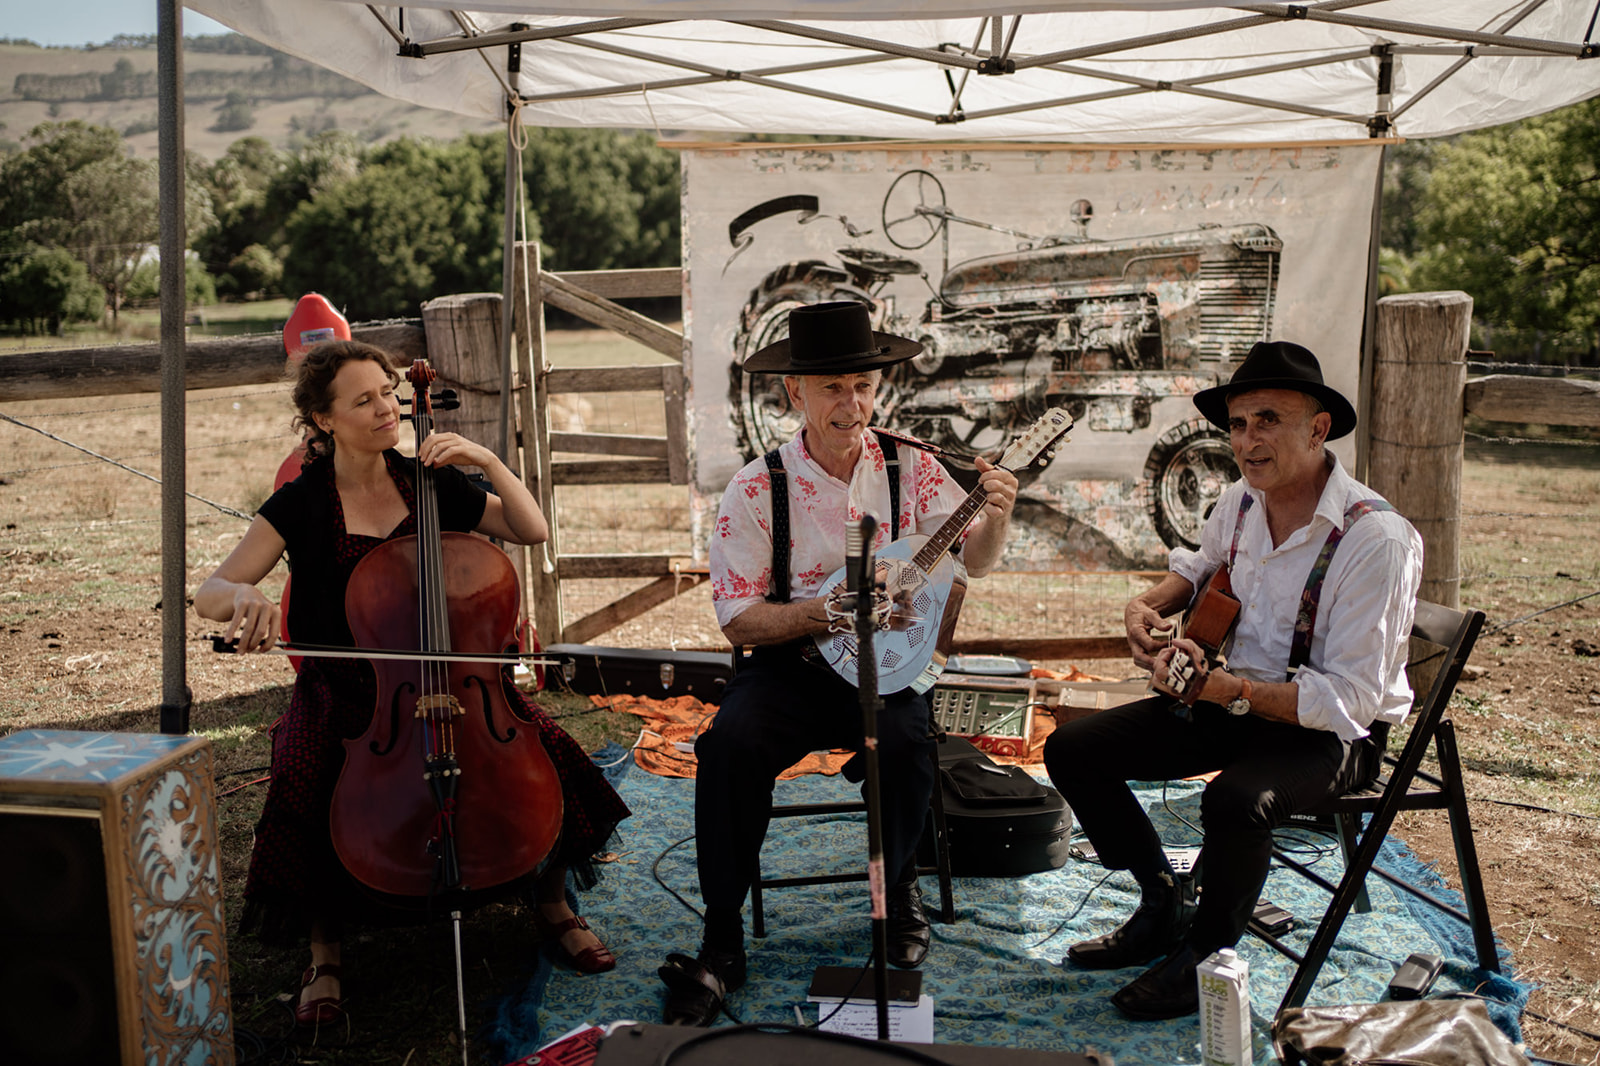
696, 987
1165, 990
1151, 932
907, 931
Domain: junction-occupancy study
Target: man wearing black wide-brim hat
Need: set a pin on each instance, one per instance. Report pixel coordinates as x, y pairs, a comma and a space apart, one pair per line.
1326, 576
781, 706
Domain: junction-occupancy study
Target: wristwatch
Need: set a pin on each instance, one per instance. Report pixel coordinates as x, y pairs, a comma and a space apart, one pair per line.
1241, 703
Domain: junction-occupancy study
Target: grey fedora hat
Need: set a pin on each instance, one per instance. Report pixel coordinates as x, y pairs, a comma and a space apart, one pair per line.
1278, 365
831, 338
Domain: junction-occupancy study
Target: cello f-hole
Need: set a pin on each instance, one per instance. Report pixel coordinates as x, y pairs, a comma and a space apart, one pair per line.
394, 719
488, 712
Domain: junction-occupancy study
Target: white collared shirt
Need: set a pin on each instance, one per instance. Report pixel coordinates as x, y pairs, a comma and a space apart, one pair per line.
819, 506
1356, 673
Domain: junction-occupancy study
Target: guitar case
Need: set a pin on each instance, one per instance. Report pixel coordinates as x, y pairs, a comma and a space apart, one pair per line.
1001, 822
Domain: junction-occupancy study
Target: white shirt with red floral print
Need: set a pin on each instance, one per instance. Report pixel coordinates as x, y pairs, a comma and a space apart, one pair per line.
819, 506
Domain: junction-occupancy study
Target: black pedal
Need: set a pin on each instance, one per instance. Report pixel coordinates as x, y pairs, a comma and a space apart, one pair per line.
1272, 918
1415, 976
833, 983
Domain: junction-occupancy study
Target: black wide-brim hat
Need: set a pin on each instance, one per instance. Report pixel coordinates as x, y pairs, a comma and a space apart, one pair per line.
831, 338
1278, 365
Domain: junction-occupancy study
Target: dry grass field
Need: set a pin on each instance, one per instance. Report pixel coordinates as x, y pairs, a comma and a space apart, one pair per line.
79, 649
370, 117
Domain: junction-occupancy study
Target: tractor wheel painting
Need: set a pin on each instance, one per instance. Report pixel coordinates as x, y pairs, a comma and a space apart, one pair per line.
1105, 328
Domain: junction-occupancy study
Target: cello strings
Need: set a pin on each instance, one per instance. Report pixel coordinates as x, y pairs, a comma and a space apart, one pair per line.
427, 574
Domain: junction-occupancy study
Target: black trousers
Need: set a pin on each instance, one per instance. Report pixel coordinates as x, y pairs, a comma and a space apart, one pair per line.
777, 708
1269, 770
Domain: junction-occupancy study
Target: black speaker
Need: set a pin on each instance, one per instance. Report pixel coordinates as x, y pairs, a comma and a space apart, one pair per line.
111, 902
58, 989
639, 1045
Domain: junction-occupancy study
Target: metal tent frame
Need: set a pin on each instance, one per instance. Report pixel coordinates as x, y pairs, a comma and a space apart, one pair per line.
1066, 70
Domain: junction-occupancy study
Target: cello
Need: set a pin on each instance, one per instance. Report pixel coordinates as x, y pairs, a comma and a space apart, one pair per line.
447, 791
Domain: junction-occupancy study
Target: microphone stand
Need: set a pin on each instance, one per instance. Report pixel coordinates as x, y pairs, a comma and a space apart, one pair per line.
861, 578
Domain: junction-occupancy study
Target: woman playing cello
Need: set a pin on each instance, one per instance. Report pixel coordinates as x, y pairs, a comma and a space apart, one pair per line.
354, 494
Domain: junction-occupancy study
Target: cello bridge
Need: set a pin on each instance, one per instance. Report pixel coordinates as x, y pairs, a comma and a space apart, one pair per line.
439, 707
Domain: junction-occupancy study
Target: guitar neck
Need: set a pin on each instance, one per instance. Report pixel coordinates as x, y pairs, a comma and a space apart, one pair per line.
947, 533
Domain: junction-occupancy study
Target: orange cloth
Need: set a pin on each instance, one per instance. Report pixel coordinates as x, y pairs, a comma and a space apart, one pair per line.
681, 719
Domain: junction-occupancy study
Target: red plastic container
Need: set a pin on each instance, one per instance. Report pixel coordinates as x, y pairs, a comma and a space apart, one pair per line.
314, 320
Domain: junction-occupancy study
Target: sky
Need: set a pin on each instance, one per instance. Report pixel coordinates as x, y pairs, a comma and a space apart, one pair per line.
90, 21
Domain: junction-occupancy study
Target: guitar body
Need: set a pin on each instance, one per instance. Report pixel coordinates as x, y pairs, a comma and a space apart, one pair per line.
911, 652
1209, 622
925, 585
1215, 610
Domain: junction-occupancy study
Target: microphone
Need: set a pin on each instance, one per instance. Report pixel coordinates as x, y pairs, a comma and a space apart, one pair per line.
857, 537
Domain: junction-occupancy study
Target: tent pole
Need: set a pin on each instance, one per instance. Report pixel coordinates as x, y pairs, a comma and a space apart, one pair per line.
175, 694
513, 176
1381, 125
1369, 320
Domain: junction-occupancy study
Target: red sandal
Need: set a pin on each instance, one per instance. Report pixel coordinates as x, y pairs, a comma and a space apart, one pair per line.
597, 959
324, 1009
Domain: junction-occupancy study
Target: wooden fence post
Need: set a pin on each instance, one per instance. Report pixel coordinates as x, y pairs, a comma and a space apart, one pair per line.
463, 333
1419, 385
534, 405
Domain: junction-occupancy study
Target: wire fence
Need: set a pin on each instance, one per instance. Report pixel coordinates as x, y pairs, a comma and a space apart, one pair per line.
79, 486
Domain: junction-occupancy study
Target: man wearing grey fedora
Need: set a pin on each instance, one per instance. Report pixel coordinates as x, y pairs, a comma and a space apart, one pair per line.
1326, 575
770, 558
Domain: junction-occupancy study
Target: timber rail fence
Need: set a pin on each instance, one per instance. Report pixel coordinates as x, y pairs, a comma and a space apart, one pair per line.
1413, 421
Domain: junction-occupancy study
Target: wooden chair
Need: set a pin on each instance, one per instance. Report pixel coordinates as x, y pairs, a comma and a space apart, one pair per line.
946, 911
1450, 634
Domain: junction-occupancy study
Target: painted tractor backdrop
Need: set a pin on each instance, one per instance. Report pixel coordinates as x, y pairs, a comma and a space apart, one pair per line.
1120, 332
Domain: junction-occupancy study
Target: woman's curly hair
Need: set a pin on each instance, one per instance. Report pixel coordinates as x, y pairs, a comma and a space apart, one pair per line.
313, 388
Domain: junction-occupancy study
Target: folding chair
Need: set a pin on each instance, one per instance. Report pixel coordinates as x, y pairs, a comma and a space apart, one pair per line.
946, 911
1406, 788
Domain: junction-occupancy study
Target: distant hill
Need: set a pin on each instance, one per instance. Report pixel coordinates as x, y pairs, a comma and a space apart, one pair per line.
233, 87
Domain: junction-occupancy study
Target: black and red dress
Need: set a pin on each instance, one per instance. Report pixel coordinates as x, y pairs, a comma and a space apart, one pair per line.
294, 871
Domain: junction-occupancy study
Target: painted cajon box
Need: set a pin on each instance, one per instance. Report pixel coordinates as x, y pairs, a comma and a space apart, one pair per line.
111, 902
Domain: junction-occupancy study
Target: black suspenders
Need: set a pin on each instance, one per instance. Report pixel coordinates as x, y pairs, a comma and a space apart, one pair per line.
780, 512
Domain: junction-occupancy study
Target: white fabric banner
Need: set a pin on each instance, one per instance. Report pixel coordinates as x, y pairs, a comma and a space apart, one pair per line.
1113, 282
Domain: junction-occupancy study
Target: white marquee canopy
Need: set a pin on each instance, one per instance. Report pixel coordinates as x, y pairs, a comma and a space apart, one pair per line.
1135, 71
1067, 70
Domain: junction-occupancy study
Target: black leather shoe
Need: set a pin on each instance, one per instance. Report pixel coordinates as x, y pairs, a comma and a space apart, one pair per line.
1165, 990
1151, 932
696, 987
907, 931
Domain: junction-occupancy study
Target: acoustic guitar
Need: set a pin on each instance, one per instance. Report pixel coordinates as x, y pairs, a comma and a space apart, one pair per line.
1209, 622
922, 586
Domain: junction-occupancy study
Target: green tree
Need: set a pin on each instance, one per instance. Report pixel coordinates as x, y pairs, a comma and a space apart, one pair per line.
122, 81
33, 204
1511, 215
199, 287
234, 113
416, 222
238, 185
254, 271
604, 199
47, 287
76, 188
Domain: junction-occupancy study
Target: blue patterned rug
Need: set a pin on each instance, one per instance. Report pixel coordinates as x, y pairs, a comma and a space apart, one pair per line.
995, 974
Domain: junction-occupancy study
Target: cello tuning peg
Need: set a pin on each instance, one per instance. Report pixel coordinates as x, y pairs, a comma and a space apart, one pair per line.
668, 671
446, 400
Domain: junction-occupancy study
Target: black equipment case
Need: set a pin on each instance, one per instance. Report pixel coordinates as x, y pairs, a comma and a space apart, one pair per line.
1002, 823
656, 672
